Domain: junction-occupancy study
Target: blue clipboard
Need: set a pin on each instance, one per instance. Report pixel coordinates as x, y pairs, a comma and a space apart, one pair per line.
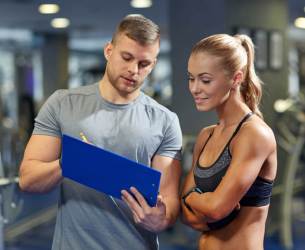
106, 171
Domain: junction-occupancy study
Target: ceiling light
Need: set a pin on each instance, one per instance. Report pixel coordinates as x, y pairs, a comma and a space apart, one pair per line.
300, 22
141, 3
48, 8
60, 23
281, 106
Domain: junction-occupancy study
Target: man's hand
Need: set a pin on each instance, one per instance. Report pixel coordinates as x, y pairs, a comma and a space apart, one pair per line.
151, 218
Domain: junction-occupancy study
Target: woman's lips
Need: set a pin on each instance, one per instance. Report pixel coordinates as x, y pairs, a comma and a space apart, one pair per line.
200, 99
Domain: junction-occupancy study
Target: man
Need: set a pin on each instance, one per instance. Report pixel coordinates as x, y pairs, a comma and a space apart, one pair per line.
113, 114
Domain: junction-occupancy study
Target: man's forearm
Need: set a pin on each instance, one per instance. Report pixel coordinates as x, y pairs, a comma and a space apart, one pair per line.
171, 213
38, 176
172, 210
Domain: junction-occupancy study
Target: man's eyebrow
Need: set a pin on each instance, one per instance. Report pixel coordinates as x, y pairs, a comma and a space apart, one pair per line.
126, 53
146, 61
131, 55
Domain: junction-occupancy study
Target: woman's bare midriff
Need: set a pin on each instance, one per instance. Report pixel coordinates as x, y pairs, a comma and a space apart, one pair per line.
246, 232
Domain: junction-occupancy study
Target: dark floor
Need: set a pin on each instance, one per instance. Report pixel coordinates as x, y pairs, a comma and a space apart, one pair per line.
178, 238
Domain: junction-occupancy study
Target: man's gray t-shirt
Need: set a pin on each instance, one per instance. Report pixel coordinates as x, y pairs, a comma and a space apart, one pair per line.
88, 219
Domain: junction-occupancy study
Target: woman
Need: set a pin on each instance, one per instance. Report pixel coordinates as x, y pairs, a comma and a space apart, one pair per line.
227, 193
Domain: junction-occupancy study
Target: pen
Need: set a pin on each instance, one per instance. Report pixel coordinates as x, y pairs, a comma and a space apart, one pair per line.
83, 137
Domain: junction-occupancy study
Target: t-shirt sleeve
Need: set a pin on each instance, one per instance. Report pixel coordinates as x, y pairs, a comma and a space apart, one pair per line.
172, 142
47, 121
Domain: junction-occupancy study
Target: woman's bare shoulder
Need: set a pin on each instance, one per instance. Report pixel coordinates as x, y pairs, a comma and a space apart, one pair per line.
203, 135
257, 131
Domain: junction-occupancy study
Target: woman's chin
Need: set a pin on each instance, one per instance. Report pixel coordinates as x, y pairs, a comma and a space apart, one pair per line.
202, 108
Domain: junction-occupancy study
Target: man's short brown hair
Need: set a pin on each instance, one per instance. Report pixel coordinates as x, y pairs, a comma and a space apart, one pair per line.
138, 28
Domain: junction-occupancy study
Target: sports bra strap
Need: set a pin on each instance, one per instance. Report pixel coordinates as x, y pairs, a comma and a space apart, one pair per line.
239, 126
206, 142
235, 132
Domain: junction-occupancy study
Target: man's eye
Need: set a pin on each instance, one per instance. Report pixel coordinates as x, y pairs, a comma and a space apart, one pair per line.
143, 65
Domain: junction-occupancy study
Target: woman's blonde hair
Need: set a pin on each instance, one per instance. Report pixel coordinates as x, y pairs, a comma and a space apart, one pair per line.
236, 53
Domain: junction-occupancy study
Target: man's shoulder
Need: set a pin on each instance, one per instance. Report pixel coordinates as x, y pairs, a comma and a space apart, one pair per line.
86, 90
83, 90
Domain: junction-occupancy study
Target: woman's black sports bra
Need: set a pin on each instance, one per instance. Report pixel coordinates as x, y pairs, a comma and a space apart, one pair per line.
208, 178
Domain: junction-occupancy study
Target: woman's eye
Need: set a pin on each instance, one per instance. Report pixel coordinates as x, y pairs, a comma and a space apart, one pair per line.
205, 81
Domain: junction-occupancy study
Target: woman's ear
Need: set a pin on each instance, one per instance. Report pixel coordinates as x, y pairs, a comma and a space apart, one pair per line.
108, 50
237, 79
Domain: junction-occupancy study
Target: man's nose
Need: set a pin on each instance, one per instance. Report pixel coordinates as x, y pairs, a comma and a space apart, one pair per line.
133, 68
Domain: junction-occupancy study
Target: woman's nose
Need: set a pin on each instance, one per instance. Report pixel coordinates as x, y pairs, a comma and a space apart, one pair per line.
194, 87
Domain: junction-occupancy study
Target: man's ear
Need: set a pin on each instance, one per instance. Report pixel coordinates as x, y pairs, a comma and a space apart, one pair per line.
153, 64
108, 50
237, 79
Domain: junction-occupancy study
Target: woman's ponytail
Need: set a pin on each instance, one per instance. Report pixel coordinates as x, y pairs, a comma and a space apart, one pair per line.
251, 88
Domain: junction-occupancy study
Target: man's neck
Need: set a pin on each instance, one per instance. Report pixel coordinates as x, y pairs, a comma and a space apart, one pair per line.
110, 94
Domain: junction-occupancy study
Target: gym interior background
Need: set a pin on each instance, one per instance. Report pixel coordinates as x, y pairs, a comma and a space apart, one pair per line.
39, 55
